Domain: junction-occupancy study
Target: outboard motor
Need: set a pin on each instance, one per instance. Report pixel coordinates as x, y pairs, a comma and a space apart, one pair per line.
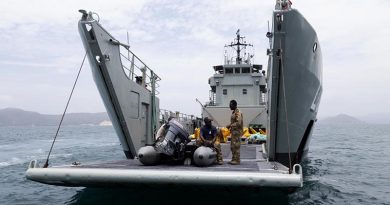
171, 141
174, 141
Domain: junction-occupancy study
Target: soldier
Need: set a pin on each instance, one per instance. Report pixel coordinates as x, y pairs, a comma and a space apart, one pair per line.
235, 127
208, 138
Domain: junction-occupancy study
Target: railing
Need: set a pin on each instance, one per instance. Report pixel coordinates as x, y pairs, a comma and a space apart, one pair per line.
263, 98
231, 59
212, 97
139, 72
135, 69
181, 117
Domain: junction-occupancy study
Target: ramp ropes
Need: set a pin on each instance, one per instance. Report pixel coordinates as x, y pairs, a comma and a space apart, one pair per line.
63, 115
285, 103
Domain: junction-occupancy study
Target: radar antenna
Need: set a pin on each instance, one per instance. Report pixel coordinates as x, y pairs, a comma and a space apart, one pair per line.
239, 44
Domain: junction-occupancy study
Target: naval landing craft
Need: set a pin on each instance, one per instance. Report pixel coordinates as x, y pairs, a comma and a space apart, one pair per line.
284, 100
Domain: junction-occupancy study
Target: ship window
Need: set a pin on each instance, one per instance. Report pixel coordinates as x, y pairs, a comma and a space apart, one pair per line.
237, 70
244, 91
229, 70
245, 70
224, 91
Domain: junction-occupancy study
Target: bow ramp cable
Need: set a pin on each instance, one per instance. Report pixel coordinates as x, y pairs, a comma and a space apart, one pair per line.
63, 115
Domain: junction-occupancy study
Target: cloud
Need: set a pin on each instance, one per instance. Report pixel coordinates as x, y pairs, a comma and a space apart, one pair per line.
46, 12
5, 99
25, 64
181, 41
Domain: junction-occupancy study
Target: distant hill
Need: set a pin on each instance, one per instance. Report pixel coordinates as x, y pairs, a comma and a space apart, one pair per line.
342, 119
377, 118
19, 117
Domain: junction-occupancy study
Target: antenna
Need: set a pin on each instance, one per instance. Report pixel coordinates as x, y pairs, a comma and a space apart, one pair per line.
239, 44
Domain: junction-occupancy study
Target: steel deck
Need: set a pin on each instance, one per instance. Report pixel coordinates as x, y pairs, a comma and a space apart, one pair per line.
254, 171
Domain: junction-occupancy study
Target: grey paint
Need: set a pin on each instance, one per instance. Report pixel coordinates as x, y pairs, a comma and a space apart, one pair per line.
148, 156
251, 102
204, 156
302, 72
254, 171
234, 84
127, 103
95, 177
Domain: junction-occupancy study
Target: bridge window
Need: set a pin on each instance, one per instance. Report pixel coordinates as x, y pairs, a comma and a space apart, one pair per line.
237, 70
245, 70
229, 70
244, 91
224, 91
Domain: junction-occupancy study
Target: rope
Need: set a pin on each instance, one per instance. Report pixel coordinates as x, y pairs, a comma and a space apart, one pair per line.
63, 115
285, 107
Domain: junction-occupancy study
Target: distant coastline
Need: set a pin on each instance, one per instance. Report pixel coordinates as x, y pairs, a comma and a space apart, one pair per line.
343, 119
19, 117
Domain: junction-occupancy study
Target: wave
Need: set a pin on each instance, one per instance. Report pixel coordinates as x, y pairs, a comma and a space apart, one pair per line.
12, 161
27, 159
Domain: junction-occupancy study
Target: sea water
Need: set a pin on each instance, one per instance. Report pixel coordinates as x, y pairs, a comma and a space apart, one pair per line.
346, 164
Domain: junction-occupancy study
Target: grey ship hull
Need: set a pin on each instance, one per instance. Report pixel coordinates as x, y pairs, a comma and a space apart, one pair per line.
130, 108
295, 83
128, 104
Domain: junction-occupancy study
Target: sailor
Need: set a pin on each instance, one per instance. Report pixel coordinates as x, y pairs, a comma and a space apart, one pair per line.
235, 127
208, 138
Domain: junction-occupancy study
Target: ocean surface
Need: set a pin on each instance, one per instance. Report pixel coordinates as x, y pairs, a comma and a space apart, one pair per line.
347, 164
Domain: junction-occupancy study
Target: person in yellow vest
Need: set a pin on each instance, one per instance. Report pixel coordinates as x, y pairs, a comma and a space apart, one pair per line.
235, 127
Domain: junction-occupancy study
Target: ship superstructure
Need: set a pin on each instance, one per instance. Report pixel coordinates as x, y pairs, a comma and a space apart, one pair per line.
239, 79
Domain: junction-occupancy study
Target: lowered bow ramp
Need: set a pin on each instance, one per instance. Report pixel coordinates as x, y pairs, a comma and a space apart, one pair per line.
128, 97
100, 177
254, 171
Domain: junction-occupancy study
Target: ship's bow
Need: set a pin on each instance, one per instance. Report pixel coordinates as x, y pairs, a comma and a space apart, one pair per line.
295, 82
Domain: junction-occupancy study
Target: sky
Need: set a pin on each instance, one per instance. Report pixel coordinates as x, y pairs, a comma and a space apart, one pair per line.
41, 49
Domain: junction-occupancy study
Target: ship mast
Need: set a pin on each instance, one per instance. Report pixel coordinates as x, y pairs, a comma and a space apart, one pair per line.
239, 41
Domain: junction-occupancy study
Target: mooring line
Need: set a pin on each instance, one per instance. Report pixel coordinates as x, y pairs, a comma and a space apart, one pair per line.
285, 106
63, 115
